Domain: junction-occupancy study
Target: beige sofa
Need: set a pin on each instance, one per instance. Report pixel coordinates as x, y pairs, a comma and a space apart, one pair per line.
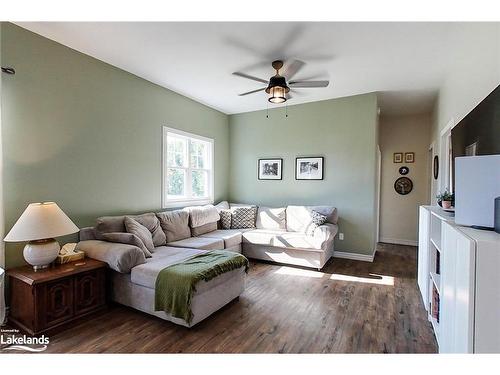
283, 235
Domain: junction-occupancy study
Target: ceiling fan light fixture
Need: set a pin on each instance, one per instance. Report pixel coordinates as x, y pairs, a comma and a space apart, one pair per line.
277, 94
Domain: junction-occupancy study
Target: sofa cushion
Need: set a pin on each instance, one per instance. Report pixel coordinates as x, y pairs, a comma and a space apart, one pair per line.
202, 229
175, 224
119, 257
139, 230
243, 217
296, 240
113, 224
125, 238
231, 237
271, 218
201, 215
222, 206
203, 243
261, 236
298, 218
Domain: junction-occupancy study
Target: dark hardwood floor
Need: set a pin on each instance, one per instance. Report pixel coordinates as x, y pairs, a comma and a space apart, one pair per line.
349, 307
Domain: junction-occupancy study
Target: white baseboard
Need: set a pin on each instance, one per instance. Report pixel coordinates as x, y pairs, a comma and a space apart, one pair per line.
398, 241
354, 256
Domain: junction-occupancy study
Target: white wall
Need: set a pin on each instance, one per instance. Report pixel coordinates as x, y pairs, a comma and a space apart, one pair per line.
474, 72
399, 213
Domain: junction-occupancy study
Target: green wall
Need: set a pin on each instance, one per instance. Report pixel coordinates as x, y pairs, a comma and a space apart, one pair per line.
344, 131
87, 135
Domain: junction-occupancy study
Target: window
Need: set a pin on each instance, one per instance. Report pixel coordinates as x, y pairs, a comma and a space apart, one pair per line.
187, 168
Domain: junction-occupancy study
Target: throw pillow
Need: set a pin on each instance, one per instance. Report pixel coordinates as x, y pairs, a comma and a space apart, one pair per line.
317, 219
175, 224
225, 219
243, 217
126, 238
151, 222
136, 228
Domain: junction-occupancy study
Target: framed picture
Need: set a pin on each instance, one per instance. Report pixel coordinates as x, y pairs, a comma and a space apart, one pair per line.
409, 157
397, 157
310, 168
270, 169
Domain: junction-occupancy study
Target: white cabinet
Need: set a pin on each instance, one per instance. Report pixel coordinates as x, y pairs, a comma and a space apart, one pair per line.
423, 254
459, 279
457, 296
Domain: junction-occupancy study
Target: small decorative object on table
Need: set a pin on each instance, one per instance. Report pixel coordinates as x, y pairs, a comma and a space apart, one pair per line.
68, 254
446, 199
404, 170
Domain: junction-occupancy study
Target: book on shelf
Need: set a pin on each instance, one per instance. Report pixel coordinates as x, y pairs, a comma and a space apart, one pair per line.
438, 262
435, 304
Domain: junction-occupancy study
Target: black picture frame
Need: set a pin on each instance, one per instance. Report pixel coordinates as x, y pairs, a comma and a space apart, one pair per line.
262, 177
435, 167
321, 170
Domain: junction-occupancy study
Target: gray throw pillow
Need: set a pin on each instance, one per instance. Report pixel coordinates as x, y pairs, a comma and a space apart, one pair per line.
136, 228
243, 217
151, 222
225, 219
175, 224
126, 238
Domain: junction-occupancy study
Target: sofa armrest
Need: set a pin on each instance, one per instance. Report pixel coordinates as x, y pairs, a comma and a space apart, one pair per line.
325, 234
87, 233
119, 257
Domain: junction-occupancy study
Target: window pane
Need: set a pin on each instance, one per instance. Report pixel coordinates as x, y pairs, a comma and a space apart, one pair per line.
176, 182
198, 154
199, 180
176, 148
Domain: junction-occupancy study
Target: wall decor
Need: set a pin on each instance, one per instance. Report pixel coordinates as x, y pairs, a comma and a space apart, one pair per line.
409, 157
310, 168
397, 157
403, 185
435, 167
270, 169
404, 170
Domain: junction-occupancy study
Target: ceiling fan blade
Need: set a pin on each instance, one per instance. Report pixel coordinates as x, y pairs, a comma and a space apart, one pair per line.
243, 75
309, 83
292, 68
251, 92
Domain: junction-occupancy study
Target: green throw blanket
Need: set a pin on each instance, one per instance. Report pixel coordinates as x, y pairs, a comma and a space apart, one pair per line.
175, 284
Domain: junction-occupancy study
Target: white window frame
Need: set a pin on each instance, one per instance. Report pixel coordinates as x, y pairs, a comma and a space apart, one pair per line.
186, 201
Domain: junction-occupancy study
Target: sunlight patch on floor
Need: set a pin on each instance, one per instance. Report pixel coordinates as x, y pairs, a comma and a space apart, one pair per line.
373, 279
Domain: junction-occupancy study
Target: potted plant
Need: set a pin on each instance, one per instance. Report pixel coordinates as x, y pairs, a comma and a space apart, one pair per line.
446, 199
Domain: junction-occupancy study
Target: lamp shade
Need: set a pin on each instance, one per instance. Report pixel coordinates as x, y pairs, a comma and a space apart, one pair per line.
40, 221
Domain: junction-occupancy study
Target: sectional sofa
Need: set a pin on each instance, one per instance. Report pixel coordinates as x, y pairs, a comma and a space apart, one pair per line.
284, 235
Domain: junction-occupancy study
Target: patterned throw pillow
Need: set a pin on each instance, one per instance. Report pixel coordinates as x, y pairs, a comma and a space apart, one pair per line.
317, 219
243, 217
225, 219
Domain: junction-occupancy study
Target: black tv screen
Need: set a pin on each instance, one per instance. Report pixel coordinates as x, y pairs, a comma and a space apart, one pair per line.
479, 132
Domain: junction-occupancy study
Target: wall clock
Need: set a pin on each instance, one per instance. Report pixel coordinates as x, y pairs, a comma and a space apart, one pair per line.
404, 170
403, 185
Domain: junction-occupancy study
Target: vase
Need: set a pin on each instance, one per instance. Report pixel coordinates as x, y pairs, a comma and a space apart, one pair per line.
446, 204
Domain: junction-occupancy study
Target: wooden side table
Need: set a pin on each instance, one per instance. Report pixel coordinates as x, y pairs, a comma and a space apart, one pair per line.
50, 298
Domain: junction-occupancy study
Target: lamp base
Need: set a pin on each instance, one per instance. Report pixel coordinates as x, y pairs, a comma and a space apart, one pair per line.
41, 253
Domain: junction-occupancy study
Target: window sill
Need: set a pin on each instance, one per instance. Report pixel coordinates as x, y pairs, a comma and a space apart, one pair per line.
187, 203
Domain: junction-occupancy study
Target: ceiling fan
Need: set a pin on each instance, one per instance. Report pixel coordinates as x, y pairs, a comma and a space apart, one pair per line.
277, 87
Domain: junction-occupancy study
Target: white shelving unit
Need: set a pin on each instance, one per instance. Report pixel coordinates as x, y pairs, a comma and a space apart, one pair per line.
459, 280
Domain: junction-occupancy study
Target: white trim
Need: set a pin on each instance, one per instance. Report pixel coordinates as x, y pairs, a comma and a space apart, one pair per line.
354, 256
183, 202
399, 241
444, 149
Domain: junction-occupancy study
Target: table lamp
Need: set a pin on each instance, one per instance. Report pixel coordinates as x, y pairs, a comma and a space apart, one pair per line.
39, 224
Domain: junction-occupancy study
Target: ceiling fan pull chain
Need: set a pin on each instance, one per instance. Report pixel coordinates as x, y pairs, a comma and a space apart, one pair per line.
267, 111
286, 110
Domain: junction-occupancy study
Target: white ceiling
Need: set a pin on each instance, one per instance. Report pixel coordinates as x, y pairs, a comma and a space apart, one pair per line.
405, 62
